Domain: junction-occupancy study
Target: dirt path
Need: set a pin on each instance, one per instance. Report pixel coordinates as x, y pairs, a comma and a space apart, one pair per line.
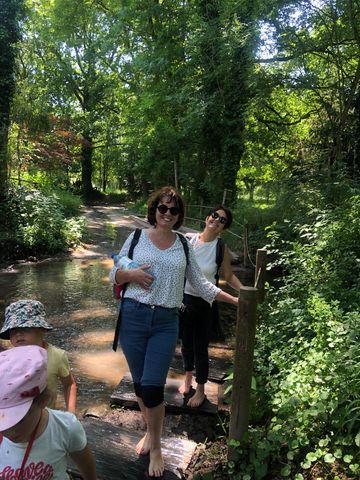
106, 227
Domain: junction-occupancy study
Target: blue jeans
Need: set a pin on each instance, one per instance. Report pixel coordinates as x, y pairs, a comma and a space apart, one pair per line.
148, 336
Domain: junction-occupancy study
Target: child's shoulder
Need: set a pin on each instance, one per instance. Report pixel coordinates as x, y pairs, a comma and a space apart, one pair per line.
55, 352
63, 421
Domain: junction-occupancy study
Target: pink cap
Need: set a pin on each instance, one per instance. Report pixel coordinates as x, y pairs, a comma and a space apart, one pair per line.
23, 376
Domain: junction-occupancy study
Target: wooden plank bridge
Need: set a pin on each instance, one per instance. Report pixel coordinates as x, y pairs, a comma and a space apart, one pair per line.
114, 446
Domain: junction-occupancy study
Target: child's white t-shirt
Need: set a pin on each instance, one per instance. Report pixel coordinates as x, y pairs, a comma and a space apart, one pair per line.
48, 457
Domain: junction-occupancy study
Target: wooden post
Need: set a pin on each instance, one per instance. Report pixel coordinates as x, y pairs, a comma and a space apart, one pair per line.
260, 270
243, 364
246, 251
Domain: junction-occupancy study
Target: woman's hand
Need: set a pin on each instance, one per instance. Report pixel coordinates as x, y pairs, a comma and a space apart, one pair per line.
227, 298
136, 275
142, 277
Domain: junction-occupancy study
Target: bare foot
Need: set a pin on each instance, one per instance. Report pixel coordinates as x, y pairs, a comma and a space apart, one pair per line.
184, 389
143, 447
196, 400
186, 386
156, 466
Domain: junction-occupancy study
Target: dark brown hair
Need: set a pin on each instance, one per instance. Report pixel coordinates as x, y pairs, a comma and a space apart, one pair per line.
226, 210
171, 194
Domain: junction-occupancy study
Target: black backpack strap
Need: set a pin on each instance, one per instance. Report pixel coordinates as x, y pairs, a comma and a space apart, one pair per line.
133, 244
220, 248
185, 246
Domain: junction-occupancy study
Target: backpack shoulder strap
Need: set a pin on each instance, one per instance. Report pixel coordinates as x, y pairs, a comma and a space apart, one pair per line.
185, 246
134, 242
220, 248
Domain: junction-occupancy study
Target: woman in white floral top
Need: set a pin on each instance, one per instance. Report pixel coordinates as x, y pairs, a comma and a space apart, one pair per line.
149, 311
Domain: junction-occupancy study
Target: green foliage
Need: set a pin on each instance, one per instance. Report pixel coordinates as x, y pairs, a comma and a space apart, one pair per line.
70, 203
307, 357
35, 224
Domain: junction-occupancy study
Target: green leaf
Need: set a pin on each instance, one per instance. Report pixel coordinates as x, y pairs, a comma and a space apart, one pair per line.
294, 444
311, 457
329, 458
348, 458
253, 383
285, 471
290, 455
338, 453
357, 440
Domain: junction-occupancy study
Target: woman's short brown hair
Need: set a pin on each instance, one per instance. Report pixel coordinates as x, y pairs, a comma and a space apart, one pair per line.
171, 194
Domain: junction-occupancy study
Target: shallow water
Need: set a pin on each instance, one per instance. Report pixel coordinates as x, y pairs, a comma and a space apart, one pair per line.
79, 305
78, 300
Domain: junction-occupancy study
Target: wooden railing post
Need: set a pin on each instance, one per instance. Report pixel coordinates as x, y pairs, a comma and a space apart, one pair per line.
243, 364
260, 270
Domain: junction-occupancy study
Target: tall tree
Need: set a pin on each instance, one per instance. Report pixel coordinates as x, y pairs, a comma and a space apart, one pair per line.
316, 57
10, 11
224, 46
78, 49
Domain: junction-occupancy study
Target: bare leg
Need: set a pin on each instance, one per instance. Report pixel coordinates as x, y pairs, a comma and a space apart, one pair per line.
155, 417
143, 447
186, 386
198, 398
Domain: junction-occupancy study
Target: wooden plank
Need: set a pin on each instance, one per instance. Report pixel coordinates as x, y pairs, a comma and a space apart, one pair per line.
175, 402
114, 450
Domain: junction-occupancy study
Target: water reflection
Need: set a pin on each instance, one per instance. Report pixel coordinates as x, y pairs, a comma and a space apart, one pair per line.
79, 305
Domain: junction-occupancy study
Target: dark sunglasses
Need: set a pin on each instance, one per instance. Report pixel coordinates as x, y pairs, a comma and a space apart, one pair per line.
164, 208
216, 216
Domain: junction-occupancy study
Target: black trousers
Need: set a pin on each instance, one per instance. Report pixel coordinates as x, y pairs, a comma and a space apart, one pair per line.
195, 327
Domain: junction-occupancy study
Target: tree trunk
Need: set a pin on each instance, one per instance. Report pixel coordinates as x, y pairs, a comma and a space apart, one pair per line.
86, 166
9, 35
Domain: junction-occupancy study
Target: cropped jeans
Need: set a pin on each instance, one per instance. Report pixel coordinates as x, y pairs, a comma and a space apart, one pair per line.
148, 337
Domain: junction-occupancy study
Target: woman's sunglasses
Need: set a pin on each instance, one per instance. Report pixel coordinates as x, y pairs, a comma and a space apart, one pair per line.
164, 208
216, 216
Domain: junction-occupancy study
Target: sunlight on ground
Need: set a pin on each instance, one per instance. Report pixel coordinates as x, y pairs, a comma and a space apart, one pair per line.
89, 313
95, 338
104, 366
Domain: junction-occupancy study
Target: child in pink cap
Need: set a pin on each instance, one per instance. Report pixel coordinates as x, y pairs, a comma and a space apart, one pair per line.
34, 440
25, 324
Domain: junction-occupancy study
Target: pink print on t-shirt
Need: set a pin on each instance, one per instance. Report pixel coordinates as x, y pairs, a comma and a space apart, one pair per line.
40, 471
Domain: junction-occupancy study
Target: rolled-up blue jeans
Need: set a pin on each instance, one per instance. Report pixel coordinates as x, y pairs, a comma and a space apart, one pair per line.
148, 336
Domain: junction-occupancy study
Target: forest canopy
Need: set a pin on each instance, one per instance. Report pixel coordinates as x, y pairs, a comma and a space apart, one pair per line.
211, 96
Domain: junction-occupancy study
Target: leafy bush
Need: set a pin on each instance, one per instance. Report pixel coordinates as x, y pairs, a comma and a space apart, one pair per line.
34, 223
70, 203
307, 356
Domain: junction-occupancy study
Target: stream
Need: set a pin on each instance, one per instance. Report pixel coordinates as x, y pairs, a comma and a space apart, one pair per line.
78, 300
